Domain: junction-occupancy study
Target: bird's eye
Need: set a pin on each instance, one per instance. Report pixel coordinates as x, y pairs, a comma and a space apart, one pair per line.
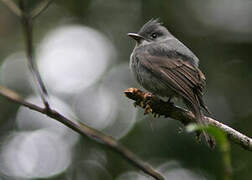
154, 35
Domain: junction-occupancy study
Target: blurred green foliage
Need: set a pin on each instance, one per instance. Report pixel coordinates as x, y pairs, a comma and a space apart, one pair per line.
222, 143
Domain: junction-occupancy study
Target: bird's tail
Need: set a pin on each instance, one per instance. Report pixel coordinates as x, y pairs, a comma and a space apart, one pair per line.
200, 119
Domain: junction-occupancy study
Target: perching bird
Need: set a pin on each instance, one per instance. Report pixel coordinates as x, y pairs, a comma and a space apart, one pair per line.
166, 67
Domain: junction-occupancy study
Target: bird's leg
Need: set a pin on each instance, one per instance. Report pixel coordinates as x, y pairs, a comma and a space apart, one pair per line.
169, 101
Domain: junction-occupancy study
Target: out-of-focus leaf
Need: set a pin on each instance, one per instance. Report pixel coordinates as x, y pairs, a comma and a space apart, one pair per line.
221, 140
219, 136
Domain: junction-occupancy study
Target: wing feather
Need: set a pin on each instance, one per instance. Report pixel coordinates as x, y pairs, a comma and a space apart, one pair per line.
188, 81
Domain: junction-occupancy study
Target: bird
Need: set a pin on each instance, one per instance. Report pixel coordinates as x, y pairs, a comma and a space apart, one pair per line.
165, 67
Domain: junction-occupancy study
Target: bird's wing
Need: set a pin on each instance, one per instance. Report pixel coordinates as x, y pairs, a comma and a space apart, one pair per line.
188, 81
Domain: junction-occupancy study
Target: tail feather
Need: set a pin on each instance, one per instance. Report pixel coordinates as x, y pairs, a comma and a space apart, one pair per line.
202, 104
200, 119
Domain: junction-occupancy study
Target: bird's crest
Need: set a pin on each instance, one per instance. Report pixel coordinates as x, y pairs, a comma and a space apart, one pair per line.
150, 26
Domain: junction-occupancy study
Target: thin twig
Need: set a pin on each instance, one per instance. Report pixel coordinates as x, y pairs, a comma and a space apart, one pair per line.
82, 129
159, 107
13, 7
40, 8
28, 33
85, 131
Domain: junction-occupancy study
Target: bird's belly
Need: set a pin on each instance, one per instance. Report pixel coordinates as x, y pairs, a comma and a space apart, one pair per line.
150, 82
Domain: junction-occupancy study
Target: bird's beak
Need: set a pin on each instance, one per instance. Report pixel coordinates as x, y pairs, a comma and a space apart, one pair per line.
136, 36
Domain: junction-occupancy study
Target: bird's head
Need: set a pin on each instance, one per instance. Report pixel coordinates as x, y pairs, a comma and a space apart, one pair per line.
152, 31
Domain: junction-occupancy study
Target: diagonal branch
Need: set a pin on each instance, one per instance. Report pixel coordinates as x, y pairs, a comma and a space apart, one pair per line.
85, 131
40, 8
155, 105
26, 20
13, 7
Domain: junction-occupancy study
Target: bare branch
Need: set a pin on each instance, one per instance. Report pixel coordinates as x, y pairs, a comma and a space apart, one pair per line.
13, 7
28, 33
80, 128
40, 8
155, 105
85, 131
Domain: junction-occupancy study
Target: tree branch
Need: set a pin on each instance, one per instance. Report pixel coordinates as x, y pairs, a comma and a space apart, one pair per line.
85, 131
26, 20
153, 104
13, 7
40, 8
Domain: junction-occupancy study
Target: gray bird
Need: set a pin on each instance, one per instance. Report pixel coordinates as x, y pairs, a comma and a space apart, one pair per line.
166, 67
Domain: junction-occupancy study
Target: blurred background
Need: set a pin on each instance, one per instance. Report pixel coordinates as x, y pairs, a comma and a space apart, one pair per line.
83, 52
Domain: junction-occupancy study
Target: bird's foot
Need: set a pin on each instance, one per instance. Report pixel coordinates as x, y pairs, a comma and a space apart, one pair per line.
169, 101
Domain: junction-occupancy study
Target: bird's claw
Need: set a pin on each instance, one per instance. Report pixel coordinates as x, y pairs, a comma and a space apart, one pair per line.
170, 101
